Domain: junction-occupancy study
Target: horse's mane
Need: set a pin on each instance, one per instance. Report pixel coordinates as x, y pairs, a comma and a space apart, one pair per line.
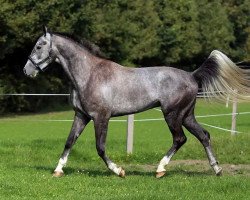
91, 47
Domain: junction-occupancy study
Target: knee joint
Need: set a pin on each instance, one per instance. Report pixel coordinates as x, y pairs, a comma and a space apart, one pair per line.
205, 141
68, 145
180, 140
183, 139
207, 134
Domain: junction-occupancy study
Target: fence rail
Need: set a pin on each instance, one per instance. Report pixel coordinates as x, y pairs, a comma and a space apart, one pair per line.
24, 94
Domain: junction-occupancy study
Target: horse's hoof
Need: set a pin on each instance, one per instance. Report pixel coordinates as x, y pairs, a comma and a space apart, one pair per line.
160, 174
57, 174
219, 172
122, 173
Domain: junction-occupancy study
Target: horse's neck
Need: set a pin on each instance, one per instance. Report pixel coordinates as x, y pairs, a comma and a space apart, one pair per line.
76, 61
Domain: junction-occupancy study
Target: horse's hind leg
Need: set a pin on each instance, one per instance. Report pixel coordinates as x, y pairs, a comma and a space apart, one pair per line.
174, 121
203, 136
80, 121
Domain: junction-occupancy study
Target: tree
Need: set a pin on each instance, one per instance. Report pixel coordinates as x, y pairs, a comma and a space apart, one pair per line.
239, 15
126, 30
214, 27
178, 32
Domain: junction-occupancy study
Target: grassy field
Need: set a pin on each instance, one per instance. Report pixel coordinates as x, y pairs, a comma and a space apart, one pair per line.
30, 149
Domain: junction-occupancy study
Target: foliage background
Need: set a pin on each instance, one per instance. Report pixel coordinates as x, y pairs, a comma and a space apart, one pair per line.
178, 33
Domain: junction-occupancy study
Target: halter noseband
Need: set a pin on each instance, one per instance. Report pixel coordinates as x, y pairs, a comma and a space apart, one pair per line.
48, 58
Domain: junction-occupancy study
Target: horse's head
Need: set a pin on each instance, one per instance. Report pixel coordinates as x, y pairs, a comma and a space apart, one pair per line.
41, 55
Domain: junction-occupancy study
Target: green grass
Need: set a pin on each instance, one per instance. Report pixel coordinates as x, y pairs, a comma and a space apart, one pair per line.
30, 149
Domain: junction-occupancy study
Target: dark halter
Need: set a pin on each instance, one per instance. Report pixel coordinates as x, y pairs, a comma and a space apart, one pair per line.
48, 58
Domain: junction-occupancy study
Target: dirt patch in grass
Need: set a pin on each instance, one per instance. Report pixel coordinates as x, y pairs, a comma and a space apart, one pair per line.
194, 167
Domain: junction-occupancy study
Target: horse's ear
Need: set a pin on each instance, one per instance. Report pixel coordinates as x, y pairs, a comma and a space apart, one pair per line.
45, 30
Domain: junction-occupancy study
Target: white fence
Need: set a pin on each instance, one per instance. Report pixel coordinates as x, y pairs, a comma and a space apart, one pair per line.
130, 120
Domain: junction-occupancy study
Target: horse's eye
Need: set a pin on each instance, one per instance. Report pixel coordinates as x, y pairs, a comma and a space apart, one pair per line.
44, 43
38, 47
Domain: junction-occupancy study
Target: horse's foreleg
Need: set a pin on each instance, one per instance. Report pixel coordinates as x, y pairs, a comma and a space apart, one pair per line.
203, 136
178, 140
101, 128
80, 121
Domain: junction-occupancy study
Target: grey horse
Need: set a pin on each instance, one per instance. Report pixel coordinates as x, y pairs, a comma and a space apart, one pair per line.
103, 89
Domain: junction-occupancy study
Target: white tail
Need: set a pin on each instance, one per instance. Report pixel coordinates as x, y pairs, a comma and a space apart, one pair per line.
220, 77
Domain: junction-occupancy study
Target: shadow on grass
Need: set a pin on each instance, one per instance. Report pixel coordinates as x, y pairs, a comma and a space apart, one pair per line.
76, 171
105, 173
92, 172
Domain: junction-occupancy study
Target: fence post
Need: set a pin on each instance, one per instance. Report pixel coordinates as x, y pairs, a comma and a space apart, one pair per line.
227, 101
130, 134
234, 116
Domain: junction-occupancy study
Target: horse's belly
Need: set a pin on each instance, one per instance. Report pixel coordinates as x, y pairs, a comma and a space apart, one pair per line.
132, 105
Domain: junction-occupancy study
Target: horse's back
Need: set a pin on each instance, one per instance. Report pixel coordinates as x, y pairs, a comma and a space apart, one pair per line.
162, 80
